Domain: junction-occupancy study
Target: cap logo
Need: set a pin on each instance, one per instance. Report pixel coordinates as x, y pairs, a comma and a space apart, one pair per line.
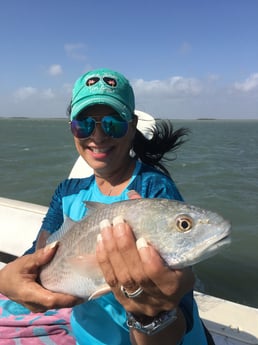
108, 80
92, 81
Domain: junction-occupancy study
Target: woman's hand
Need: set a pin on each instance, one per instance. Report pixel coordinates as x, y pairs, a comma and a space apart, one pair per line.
135, 264
131, 264
18, 281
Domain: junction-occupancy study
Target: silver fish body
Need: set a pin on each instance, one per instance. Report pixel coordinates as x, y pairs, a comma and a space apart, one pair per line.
183, 234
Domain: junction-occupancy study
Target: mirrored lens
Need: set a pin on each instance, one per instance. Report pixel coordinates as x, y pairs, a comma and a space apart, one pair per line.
114, 127
84, 128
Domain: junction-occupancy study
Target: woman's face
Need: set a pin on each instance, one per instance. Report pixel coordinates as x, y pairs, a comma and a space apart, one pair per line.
102, 152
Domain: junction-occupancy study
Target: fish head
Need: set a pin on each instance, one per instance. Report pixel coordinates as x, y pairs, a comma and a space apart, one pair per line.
192, 235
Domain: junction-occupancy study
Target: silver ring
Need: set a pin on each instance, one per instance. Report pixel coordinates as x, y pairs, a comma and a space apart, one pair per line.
133, 294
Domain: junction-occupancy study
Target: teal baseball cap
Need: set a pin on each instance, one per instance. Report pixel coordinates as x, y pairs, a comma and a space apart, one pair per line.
103, 86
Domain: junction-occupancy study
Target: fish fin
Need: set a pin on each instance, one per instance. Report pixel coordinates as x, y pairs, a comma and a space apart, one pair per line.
66, 226
100, 292
85, 264
94, 206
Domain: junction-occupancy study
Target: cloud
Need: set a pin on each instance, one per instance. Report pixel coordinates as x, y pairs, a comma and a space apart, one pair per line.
176, 97
213, 77
175, 86
29, 92
36, 102
55, 70
74, 51
249, 84
25, 92
47, 94
169, 97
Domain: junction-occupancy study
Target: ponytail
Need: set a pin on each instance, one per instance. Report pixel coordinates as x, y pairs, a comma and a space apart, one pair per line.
164, 139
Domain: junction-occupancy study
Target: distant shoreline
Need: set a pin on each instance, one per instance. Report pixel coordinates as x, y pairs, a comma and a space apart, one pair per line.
206, 118
32, 118
159, 118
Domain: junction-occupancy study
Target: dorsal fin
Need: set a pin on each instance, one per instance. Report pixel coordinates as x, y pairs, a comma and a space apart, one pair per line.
93, 206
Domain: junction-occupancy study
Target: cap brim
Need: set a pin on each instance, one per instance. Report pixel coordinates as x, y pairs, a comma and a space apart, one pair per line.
118, 106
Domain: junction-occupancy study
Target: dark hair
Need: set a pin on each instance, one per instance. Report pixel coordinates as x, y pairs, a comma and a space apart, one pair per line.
164, 139
69, 110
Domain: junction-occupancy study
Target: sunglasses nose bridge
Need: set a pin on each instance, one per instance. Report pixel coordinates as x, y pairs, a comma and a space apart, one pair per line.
98, 130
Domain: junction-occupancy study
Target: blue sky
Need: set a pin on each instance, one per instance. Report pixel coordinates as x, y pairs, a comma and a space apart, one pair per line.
185, 58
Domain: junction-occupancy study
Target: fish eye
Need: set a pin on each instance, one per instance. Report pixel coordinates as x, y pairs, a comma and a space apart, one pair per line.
184, 223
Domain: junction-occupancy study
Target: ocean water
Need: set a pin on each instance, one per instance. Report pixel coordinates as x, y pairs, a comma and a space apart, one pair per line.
217, 168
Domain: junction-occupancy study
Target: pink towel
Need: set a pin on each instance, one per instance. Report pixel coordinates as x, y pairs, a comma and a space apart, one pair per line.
19, 326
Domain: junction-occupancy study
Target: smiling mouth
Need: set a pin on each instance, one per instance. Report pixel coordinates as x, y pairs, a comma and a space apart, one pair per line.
98, 150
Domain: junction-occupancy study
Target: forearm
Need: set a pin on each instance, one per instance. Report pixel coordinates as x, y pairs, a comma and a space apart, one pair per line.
171, 335
1, 281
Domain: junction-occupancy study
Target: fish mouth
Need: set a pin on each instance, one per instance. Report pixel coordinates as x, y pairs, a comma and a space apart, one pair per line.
206, 251
215, 246
225, 240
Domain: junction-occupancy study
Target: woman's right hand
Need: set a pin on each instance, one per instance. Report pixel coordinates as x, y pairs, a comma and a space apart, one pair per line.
18, 282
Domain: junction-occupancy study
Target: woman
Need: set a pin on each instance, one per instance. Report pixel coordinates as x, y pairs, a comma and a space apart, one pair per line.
149, 303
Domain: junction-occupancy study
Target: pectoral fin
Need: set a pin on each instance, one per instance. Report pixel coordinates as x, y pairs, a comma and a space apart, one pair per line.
100, 292
85, 264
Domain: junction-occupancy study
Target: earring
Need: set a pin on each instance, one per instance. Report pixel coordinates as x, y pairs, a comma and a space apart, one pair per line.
132, 154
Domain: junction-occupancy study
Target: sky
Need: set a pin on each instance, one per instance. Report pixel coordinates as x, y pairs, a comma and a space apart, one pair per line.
185, 59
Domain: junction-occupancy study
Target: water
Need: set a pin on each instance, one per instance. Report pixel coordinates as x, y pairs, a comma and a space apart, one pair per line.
216, 169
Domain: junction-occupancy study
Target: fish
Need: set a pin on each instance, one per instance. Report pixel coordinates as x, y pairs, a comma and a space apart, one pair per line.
183, 234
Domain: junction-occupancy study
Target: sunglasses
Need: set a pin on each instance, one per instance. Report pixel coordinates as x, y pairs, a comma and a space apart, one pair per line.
111, 125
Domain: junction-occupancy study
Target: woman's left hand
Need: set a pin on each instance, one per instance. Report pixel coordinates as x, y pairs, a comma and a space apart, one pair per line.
125, 262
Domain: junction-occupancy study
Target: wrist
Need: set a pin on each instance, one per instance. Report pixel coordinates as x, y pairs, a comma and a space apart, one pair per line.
151, 325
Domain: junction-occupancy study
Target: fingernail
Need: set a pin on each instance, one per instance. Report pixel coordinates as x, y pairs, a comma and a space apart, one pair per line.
141, 243
118, 220
132, 194
144, 250
50, 246
105, 223
99, 238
